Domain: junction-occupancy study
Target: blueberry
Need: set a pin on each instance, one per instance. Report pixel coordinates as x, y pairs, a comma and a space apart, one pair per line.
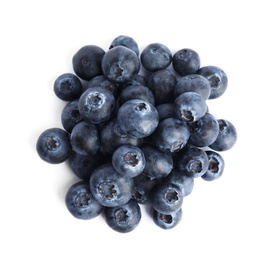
87, 61
217, 78
135, 81
190, 107
123, 218
193, 162
125, 41
120, 64
204, 131
193, 83
85, 139
226, 138
156, 56
128, 161
215, 168
171, 135
167, 221
166, 198
137, 118
186, 61
81, 203
53, 145
110, 188
166, 111
96, 105
158, 164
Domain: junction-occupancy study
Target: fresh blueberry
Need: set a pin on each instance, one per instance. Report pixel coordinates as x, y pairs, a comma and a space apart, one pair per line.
123, 218
193, 162
120, 64
190, 107
226, 138
167, 221
193, 83
166, 111
87, 62
110, 188
215, 168
135, 81
156, 56
137, 118
96, 105
217, 78
85, 139
128, 161
125, 41
186, 61
53, 145
81, 203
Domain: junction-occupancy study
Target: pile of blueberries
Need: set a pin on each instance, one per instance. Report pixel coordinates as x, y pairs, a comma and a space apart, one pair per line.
137, 139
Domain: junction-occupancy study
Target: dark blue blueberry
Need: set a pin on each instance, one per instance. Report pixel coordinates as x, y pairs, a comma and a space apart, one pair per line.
123, 218
186, 61
96, 105
204, 131
81, 203
162, 83
156, 56
87, 62
158, 164
166, 111
128, 161
226, 138
193, 83
120, 64
135, 81
85, 139
215, 168
171, 135
70, 116
166, 198
125, 41
193, 162
137, 118
167, 221
190, 107
53, 145
67, 87
217, 78
110, 188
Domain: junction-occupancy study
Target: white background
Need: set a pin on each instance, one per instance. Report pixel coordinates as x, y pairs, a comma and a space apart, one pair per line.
235, 217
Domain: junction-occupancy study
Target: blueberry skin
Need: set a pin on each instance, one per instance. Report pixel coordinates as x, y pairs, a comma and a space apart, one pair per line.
217, 78
137, 118
166, 111
215, 168
158, 164
110, 188
226, 138
135, 81
167, 221
81, 203
120, 64
193, 162
193, 83
204, 131
53, 145
166, 198
162, 83
96, 105
186, 61
156, 56
171, 135
123, 218
128, 161
85, 139
70, 116
87, 61
189, 107
67, 87
126, 41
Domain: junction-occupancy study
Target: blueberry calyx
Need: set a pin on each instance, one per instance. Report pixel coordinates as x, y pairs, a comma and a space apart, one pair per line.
131, 159
171, 196
95, 101
214, 81
140, 107
52, 143
107, 190
83, 199
66, 86
187, 115
116, 70
166, 218
213, 165
196, 166
121, 215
